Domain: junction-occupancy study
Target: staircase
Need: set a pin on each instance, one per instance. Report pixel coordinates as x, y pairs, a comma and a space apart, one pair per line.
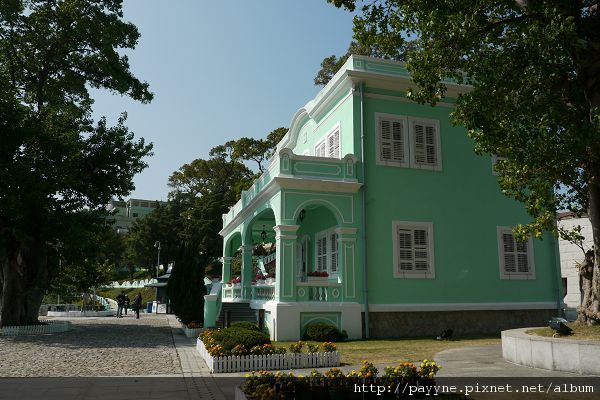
237, 312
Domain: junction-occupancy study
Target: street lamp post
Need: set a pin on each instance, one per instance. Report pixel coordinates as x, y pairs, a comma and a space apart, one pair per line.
157, 245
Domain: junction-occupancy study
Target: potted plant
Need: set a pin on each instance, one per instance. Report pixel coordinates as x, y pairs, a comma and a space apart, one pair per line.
270, 278
237, 281
260, 279
317, 276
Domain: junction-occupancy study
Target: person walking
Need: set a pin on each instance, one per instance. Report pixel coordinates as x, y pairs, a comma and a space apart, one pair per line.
120, 304
137, 304
127, 302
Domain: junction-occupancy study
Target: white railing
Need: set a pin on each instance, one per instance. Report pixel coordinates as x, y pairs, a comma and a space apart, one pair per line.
232, 292
51, 327
263, 292
318, 293
267, 362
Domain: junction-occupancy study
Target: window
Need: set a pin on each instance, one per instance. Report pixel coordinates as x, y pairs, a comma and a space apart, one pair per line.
320, 149
495, 159
330, 146
408, 142
425, 141
516, 258
413, 249
392, 139
327, 252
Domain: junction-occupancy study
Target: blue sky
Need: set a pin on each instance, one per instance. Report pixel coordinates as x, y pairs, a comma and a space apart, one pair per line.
220, 70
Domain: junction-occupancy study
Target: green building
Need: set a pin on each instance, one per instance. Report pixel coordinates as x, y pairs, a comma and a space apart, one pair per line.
125, 213
389, 199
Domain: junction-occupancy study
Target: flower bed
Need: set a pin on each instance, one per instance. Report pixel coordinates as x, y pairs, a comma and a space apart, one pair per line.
48, 327
336, 384
267, 361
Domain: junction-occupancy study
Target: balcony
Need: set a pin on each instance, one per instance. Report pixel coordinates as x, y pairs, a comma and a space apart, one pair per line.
289, 170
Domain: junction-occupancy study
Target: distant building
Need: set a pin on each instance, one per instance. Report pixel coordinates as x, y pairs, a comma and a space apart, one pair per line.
124, 213
570, 258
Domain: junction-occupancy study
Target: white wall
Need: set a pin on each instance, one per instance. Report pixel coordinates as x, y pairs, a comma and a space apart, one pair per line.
570, 256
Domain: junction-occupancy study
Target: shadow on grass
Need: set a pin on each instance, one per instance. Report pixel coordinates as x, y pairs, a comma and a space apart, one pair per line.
136, 334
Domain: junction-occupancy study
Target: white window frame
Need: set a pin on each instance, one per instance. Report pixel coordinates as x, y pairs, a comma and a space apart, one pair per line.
530, 274
409, 143
392, 118
495, 159
328, 252
322, 148
412, 225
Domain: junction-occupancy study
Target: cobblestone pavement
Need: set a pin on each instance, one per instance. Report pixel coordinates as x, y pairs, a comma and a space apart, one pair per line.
104, 346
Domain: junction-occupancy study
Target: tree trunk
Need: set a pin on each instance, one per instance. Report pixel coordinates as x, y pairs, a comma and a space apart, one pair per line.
23, 280
589, 311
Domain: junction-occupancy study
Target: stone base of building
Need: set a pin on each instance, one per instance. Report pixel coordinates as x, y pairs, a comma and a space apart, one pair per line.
433, 323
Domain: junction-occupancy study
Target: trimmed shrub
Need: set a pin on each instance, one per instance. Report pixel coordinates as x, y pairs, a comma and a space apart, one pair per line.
233, 336
322, 332
245, 325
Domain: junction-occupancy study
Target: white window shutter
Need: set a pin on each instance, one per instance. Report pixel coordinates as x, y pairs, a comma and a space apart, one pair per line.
391, 140
333, 246
515, 255
322, 253
425, 144
405, 248
333, 145
421, 250
397, 141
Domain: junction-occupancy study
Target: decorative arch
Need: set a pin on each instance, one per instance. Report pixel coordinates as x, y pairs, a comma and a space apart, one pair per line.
246, 228
339, 217
230, 243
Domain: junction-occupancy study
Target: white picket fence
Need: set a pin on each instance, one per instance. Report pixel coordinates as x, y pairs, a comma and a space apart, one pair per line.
51, 327
268, 362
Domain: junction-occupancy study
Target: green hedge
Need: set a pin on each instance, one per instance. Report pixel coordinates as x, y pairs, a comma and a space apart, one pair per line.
322, 332
245, 325
232, 336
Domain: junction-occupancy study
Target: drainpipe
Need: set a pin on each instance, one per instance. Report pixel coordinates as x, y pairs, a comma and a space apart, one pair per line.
364, 211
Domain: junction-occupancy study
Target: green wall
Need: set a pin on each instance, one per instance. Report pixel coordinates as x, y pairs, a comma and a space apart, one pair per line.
465, 205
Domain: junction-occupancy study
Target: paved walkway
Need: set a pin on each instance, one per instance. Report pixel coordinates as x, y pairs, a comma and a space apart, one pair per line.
108, 358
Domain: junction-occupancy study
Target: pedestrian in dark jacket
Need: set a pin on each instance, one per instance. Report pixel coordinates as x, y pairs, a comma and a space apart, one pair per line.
120, 304
137, 304
127, 302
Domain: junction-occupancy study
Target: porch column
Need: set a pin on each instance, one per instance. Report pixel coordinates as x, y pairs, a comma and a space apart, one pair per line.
226, 269
285, 279
246, 270
346, 238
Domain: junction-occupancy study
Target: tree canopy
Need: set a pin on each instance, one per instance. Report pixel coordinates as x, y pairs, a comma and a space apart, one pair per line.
59, 167
534, 71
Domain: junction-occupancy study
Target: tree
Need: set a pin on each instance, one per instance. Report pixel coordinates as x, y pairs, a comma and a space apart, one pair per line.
332, 64
257, 150
161, 225
534, 68
58, 168
185, 286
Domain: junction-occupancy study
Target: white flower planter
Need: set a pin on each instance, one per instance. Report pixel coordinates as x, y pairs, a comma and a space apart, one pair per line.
192, 332
267, 362
317, 278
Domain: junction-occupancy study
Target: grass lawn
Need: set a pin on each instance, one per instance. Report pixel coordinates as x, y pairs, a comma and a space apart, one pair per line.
148, 294
394, 351
580, 331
